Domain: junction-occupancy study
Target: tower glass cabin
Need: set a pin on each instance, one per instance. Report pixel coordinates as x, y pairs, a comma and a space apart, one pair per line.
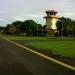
51, 20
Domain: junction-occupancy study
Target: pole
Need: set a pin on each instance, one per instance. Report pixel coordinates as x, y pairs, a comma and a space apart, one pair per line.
62, 21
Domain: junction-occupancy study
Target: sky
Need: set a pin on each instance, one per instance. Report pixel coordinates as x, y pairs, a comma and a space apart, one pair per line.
11, 10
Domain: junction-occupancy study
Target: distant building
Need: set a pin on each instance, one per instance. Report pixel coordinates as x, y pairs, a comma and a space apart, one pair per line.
51, 20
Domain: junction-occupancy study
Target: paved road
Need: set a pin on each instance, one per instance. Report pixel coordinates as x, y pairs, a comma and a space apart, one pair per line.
15, 60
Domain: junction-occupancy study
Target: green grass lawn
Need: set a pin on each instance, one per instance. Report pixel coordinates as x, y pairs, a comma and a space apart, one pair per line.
64, 47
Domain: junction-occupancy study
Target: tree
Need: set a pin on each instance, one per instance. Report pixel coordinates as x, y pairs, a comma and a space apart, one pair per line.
7, 28
31, 27
28, 27
73, 28
64, 25
18, 25
12, 29
61, 26
69, 26
1, 29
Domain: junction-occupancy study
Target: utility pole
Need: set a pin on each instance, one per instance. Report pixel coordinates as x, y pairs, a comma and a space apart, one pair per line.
62, 26
37, 31
42, 31
62, 23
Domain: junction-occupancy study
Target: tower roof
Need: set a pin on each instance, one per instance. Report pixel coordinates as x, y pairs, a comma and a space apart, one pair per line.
51, 11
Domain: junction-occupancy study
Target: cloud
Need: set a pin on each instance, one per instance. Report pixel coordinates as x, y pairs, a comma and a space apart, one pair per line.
11, 10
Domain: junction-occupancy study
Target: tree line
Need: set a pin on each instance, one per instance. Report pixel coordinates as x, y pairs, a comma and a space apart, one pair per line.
65, 27
28, 27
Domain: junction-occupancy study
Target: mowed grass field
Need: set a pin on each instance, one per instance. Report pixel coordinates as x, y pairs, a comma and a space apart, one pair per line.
62, 46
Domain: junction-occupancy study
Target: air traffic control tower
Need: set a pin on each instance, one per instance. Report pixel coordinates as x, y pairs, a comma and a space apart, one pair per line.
51, 20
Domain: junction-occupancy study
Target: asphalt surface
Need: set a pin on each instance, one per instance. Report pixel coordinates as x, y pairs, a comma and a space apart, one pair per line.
15, 60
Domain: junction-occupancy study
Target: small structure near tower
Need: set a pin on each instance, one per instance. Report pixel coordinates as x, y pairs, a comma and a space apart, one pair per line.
51, 20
